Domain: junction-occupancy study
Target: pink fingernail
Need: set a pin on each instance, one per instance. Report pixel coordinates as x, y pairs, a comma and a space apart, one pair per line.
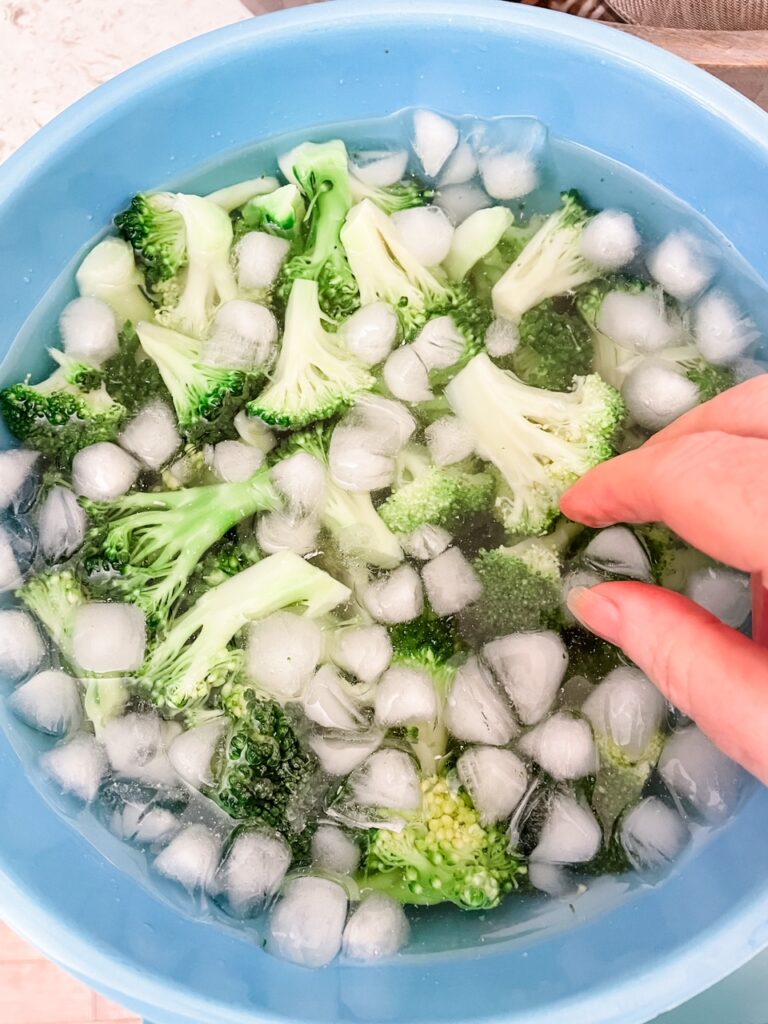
596, 612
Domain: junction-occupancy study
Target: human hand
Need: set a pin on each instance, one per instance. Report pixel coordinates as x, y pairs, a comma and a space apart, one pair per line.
706, 477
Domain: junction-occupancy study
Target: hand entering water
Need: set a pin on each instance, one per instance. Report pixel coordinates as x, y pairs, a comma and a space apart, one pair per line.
706, 477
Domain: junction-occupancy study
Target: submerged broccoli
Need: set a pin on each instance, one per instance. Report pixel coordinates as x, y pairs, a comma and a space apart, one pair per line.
387, 271
68, 411
540, 441
315, 376
555, 346
620, 781
54, 598
425, 494
487, 271
130, 376
321, 171
391, 198
672, 560
194, 655
550, 264
280, 212
444, 855
156, 539
109, 273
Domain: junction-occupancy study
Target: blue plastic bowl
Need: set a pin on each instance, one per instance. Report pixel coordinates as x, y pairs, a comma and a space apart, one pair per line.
621, 955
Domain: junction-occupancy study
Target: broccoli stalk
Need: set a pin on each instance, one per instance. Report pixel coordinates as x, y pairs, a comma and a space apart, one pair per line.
109, 273
321, 171
315, 376
619, 782
54, 598
554, 348
475, 238
280, 212
387, 271
194, 655
425, 494
156, 539
205, 397
443, 855
550, 264
401, 196
232, 197
357, 529
64, 413
540, 441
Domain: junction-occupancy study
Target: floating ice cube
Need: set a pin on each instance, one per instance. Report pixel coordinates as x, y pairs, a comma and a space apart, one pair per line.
356, 464
627, 709
109, 638
388, 779
439, 344
380, 168
333, 850
656, 394
530, 667
21, 646
427, 542
340, 755
389, 423
396, 597
502, 338
618, 551
461, 201
62, 525
571, 833
724, 592
378, 928
152, 435
451, 582
426, 232
235, 461
703, 778
49, 701
192, 752
449, 441
276, 531
405, 696
508, 175
89, 330
191, 858
17, 552
259, 257
243, 336
254, 868
638, 321
135, 747
406, 375
681, 265
434, 139
653, 834
552, 879
283, 652
307, 924
721, 330
330, 702
18, 480
460, 167
144, 824
475, 711
562, 746
610, 240
77, 766
495, 780
371, 333
103, 471
363, 651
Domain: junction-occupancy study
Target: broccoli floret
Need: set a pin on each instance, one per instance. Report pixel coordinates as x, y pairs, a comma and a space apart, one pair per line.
387, 271
350, 519
435, 495
321, 171
195, 656
492, 267
130, 376
315, 376
444, 855
540, 441
710, 380
54, 598
68, 411
550, 264
156, 539
109, 273
206, 398
237, 551
673, 561
555, 347
280, 212
619, 782
400, 196
428, 638
157, 233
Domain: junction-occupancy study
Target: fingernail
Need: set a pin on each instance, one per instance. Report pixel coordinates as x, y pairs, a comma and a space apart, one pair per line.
596, 612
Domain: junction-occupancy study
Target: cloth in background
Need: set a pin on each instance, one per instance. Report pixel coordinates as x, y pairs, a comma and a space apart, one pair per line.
692, 14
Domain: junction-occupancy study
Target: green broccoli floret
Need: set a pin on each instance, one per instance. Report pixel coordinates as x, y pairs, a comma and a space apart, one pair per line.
387, 271
554, 348
444, 855
194, 655
68, 411
315, 376
130, 376
709, 379
109, 273
435, 495
401, 196
321, 171
158, 236
206, 398
156, 539
673, 561
550, 264
280, 212
357, 530
540, 441
54, 598
237, 551
619, 782
428, 638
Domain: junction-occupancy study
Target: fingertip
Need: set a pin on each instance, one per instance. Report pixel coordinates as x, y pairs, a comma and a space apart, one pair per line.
595, 610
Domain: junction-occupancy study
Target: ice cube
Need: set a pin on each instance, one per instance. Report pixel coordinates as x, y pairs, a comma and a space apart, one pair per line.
283, 652
508, 174
495, 779
426, 232
461, 201
700, 776
388, 779
617, 551
681, 265
18, 480
152, 435
449, 441
49, 701
451, 583
243, 336
254, 868
89, 330
307, 924
653, 834
192, 752
235, 461
571, 833
427, 542
356, 464
638, 321
626, 709
276, 531
371, 333
62, 525
135, 747
259, 257
17, 552
530, 667
721, 330
475, 711
380, 168
656, 395
144, 824
405, 696
552, 879
301, 480
191, 858
460, 167
395, 597
610, 240
562, 746
723, 592
330, 701
77, 766
389, 423
21, 646
502, 338
378, 928
103, 472
109, 638
439, 344
333, 850
406, 375
341, 755
363, 651
434, 139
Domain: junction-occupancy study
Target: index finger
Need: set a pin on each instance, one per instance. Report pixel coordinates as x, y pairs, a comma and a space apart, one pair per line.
740, 411
710, 488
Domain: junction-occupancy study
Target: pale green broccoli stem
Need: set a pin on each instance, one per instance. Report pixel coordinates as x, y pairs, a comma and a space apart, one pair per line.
55, 598
194, 654
104, 700
474, 238
109, 273
358, 529
281, 212
232, 197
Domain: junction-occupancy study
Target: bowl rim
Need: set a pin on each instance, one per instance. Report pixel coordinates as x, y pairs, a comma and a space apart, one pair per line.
635, 998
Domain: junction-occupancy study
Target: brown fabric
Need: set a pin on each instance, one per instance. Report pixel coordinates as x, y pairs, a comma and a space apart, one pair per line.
702, 14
